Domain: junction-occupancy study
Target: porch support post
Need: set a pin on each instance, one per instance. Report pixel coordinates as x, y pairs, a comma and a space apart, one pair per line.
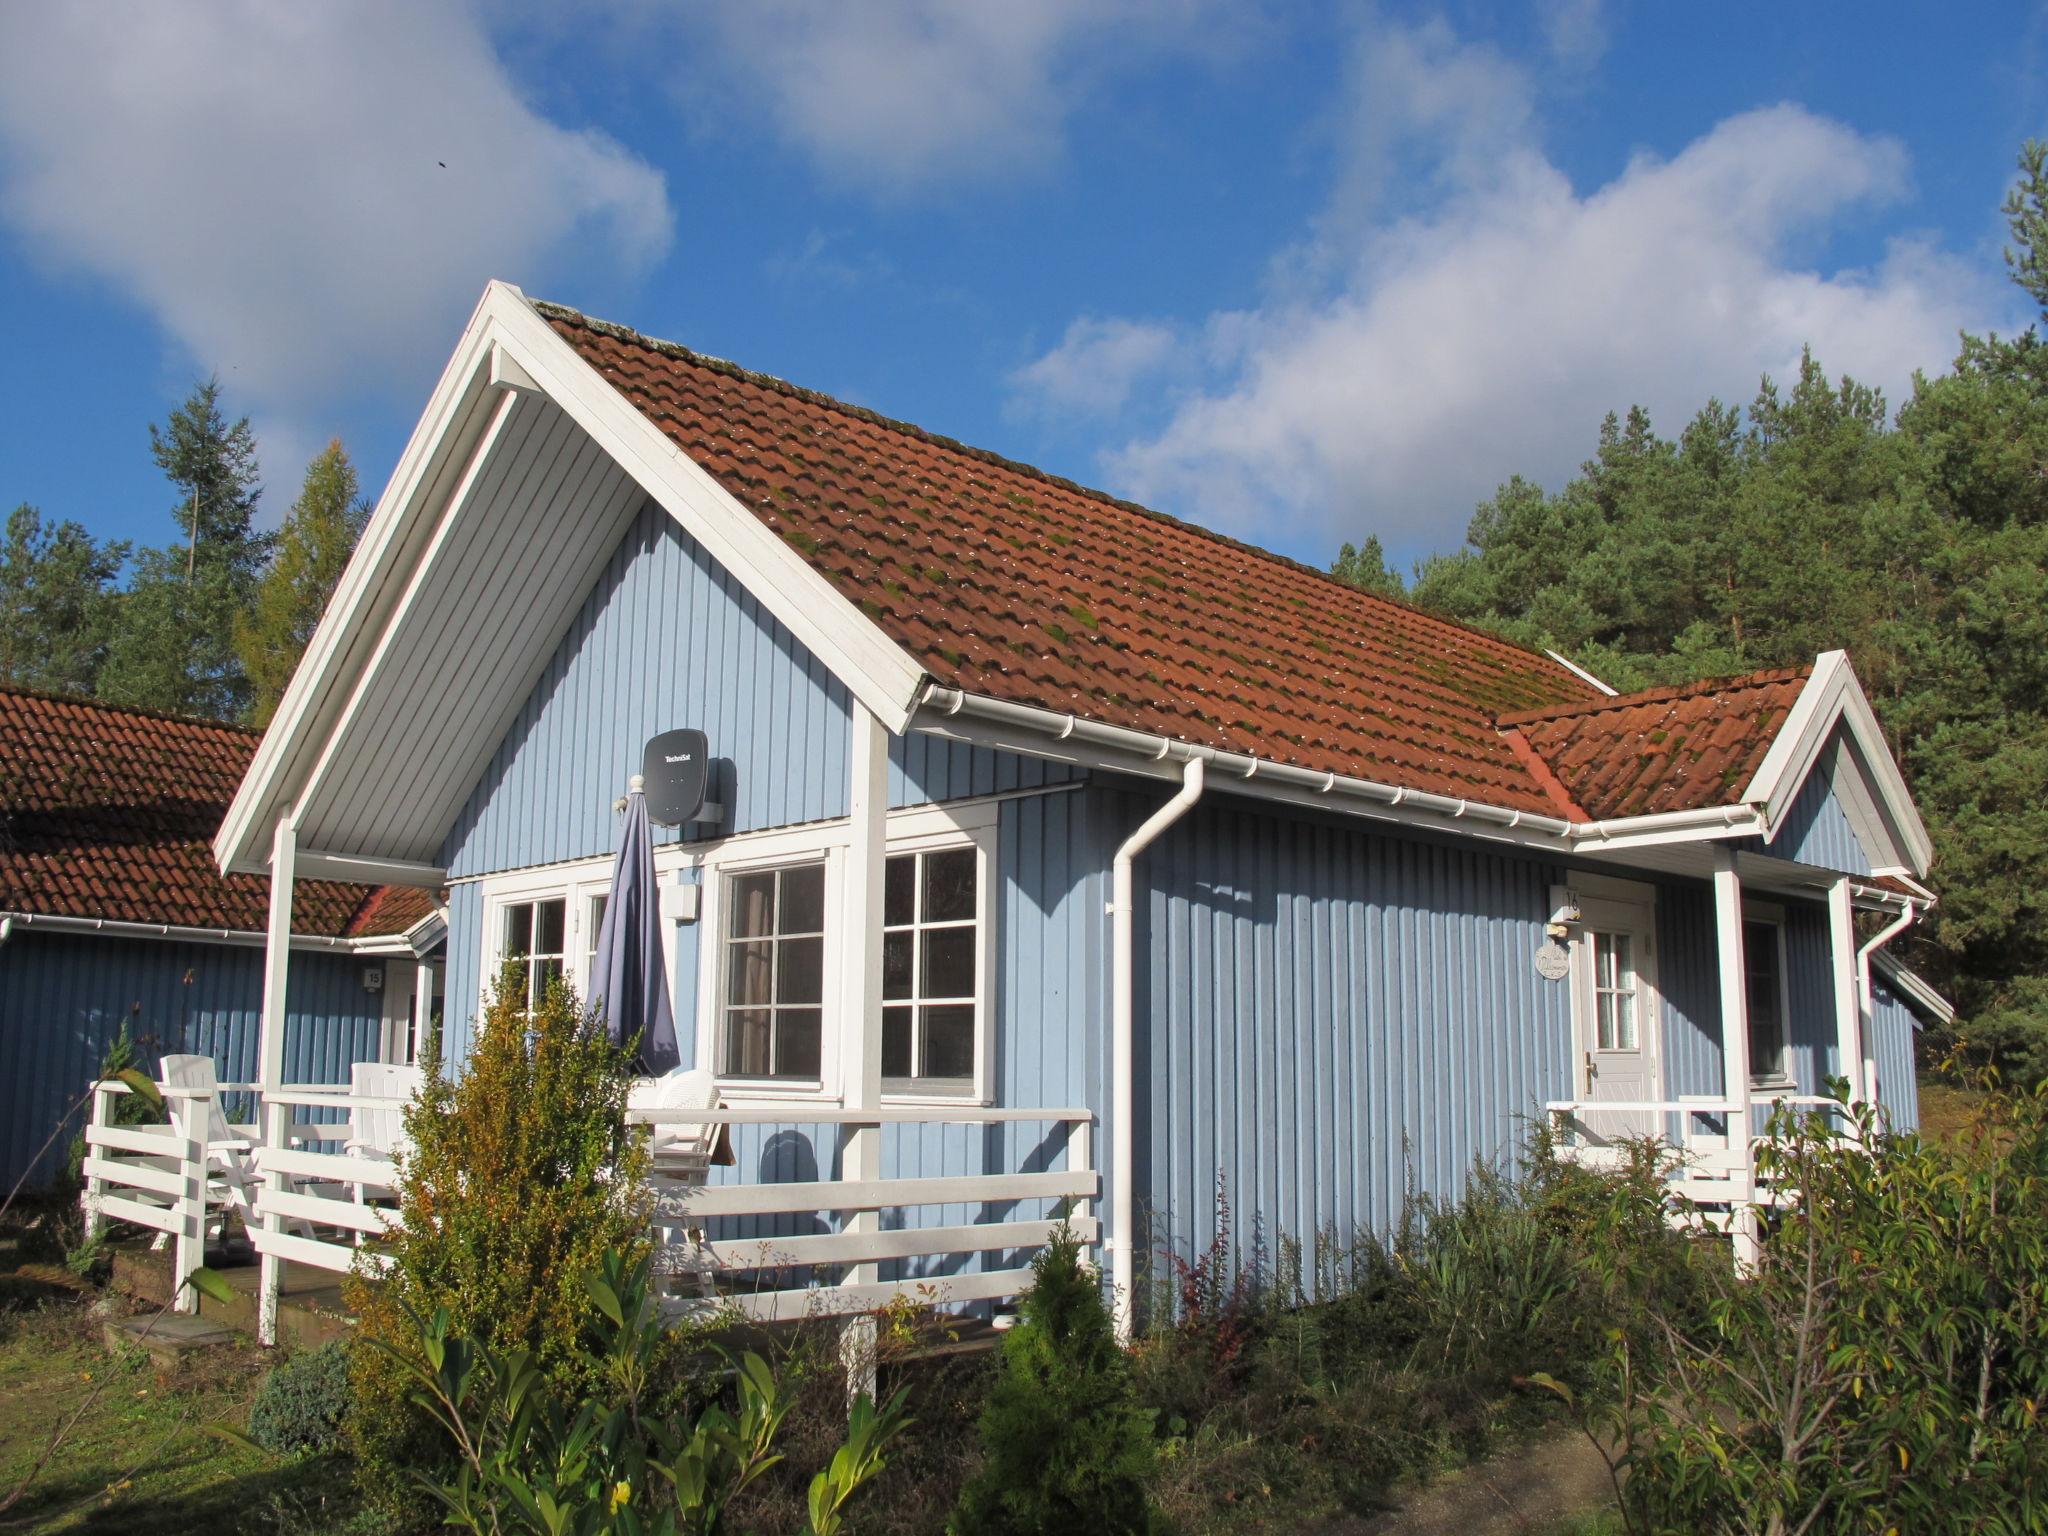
861, 1005
422, 1008
277, 950
1734, 982
1848, 990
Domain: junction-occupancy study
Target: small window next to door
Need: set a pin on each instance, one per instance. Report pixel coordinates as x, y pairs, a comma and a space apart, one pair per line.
1763, 969
1616, 1026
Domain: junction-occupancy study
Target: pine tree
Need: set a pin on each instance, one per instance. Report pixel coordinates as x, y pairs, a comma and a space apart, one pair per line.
1365, 566
313, 548
56, 603
173, 646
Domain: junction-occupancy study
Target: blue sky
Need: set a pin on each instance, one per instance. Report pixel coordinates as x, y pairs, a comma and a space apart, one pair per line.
1302, 273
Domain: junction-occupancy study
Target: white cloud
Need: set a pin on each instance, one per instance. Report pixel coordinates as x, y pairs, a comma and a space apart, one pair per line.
308, 198
895, 93
1094, 368
1405, 363
1574, 30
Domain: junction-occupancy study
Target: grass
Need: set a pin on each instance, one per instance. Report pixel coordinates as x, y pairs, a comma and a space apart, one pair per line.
1946, 1107
138, 1459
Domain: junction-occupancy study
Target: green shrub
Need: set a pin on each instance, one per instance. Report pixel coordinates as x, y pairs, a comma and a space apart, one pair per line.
301, 1404
530, 1457
1884, 1365
522, 1176
1067, 1446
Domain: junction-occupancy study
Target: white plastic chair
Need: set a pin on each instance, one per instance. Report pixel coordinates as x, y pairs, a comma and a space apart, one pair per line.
378, 1132
682, 1153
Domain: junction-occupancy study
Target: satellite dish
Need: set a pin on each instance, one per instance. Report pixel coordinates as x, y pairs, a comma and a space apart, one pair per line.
677, 768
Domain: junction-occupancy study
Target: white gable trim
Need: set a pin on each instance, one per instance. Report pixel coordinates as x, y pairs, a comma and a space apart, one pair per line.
1867, 782
1915, 989
508, 351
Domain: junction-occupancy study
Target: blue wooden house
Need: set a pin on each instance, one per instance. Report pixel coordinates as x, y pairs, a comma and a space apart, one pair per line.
1034, 810
113, 917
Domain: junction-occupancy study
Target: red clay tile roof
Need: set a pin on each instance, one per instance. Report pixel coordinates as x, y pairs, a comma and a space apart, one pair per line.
110, 813
1664, 749
1006, 582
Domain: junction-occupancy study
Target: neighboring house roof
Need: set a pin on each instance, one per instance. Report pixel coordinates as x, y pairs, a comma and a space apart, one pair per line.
109, 813
1662, 749
1006, 582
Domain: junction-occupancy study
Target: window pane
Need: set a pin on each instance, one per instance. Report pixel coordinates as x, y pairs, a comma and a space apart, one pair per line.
949, 1041
1604, 1005
803, 900
746, 1043
545, 974
549, 923
897, 950
750, 972
800, 971
948, 962
948, 886
1624, 961
895, 1042
796, 1042
899, 890
753, 905
1625, 1019
1603, 959
519, 929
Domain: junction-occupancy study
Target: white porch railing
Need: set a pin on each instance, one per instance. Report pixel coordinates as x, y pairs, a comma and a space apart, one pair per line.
326, 1208
1712, 1177
744, 1271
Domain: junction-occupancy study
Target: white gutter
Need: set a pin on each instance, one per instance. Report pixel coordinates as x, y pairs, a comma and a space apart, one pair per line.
1865, 998
1123, 1068
172, 932
1381, 798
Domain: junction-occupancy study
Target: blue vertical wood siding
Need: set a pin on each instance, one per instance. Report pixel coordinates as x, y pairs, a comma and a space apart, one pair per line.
64, 998
1892, 1028
1334, 1017
1815, 831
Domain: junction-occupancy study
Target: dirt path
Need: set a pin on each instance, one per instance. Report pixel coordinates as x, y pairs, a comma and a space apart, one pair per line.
1530, 1489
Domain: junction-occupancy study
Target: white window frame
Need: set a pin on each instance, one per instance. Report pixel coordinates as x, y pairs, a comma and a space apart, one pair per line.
1772, 915
916, 829
573, 883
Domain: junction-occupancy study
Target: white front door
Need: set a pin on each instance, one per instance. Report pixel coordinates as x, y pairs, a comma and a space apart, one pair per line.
1615, 1013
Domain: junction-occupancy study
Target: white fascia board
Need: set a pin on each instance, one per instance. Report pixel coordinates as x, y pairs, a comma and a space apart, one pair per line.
880, 674
1832, 696
1915, 987
298, 732
312, 864
240, 938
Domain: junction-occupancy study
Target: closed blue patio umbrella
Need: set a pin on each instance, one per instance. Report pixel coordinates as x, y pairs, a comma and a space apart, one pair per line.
628, 984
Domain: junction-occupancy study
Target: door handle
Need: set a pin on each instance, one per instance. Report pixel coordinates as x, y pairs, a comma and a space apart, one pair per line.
1591, 1072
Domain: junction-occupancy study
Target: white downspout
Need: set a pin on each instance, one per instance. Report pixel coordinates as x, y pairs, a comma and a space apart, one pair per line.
1866, 1002
1123, 1066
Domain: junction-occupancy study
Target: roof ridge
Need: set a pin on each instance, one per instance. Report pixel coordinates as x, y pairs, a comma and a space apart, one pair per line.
138, 711
988, 456
1761, 678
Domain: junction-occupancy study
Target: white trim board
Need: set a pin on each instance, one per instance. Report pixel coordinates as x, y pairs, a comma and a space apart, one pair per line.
1872, 792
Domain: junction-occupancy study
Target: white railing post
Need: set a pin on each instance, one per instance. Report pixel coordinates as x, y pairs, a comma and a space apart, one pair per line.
1734, 983
95, 1186
273, 1127
1080, 1159
189, 1118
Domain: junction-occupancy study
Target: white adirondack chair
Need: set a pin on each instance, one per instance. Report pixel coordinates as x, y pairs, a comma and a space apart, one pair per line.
680, 1155
373, 1132
231, 1177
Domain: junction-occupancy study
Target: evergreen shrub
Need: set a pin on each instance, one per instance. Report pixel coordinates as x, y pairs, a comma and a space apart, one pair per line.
1067, 1446
521, 1177
301, 1404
